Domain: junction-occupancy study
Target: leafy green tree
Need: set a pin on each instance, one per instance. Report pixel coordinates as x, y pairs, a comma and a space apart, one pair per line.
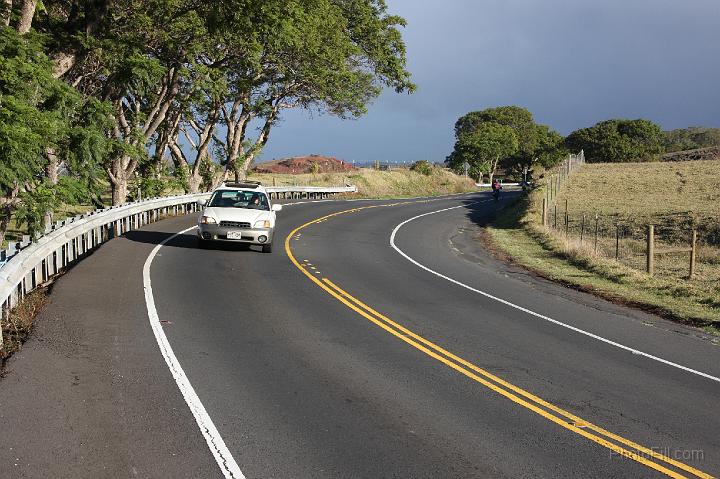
331, 56
201, 79
618, 141
44, 125
483, 148
536, 143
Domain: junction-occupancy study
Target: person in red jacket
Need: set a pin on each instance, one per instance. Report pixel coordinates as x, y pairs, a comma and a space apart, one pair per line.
496, 187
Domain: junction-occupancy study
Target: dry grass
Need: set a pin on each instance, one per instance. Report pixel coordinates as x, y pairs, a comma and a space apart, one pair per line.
674, 192
371, 183
642, 193
19, 321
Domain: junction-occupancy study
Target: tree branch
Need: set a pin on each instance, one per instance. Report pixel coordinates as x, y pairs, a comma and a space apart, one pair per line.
189, 138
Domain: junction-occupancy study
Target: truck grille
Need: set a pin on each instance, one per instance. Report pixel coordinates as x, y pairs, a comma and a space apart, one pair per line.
235, 224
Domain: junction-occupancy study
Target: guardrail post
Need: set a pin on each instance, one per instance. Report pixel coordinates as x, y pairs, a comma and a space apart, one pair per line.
2, 318
651, 250
693, 250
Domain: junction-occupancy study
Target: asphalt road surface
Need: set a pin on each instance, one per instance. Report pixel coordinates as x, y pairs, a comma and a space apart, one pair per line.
379, 340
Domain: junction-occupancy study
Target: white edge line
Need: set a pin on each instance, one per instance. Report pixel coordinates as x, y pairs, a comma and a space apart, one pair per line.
530, 312
217, 446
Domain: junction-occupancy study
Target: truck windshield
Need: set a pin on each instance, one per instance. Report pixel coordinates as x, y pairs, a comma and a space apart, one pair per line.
239, 199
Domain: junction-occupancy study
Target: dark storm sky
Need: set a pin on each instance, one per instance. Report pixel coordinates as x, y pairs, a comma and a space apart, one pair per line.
571, 63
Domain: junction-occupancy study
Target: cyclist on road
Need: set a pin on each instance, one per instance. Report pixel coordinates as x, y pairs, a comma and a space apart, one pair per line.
496, 187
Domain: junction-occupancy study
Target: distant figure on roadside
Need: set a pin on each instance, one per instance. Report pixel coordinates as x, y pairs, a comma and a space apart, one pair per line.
496, 187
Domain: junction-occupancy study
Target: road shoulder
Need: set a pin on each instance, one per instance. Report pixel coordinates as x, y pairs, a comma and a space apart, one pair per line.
89, 392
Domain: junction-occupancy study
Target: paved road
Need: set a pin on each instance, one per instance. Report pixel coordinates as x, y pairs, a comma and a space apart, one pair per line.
341, 356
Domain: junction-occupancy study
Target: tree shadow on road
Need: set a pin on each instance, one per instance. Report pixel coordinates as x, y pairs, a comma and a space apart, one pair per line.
483, 209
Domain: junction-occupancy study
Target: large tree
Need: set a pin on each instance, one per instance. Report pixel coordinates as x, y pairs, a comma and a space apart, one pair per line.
483, 147
536, 143
205, 82
331, 56
618, 141
44, 124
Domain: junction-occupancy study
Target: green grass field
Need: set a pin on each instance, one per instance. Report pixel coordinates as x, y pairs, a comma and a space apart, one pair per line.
676, 196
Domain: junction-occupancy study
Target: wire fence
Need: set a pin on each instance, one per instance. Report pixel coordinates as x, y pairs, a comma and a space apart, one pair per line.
679, 245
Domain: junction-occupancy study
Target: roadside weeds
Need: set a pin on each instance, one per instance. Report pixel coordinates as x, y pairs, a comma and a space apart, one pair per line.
18, 323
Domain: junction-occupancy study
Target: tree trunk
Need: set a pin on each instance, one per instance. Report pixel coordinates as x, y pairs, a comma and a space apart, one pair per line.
52, 175
118, 183
6, 12
194, 180
27, 12
53, 166
4, 222
232, 168
238, 169
119, 192
480, 178
492, 173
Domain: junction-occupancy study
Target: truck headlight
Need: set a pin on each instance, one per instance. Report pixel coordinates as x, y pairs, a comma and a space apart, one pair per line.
207, 220
262, 224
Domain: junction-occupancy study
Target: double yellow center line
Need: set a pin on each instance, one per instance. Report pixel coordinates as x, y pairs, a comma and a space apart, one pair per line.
559, 416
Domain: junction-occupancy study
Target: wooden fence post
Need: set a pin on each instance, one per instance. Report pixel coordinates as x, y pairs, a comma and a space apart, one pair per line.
555, 217
567, 218
693, 250
544, 212
617, 241
582, 229
651, 250
596, 231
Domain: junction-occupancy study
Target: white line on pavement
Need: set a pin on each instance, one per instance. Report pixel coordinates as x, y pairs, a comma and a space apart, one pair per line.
222, 455
530, 312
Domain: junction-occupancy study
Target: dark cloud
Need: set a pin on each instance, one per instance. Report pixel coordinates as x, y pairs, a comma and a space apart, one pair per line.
572, 63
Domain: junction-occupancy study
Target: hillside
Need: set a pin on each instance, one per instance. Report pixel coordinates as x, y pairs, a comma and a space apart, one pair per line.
304, 164
379, 184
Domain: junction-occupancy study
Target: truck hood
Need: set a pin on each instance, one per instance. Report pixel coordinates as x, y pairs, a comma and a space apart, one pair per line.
238, 214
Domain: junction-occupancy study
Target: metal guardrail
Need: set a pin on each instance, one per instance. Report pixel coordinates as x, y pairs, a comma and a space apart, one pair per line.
34, 263
307, 191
